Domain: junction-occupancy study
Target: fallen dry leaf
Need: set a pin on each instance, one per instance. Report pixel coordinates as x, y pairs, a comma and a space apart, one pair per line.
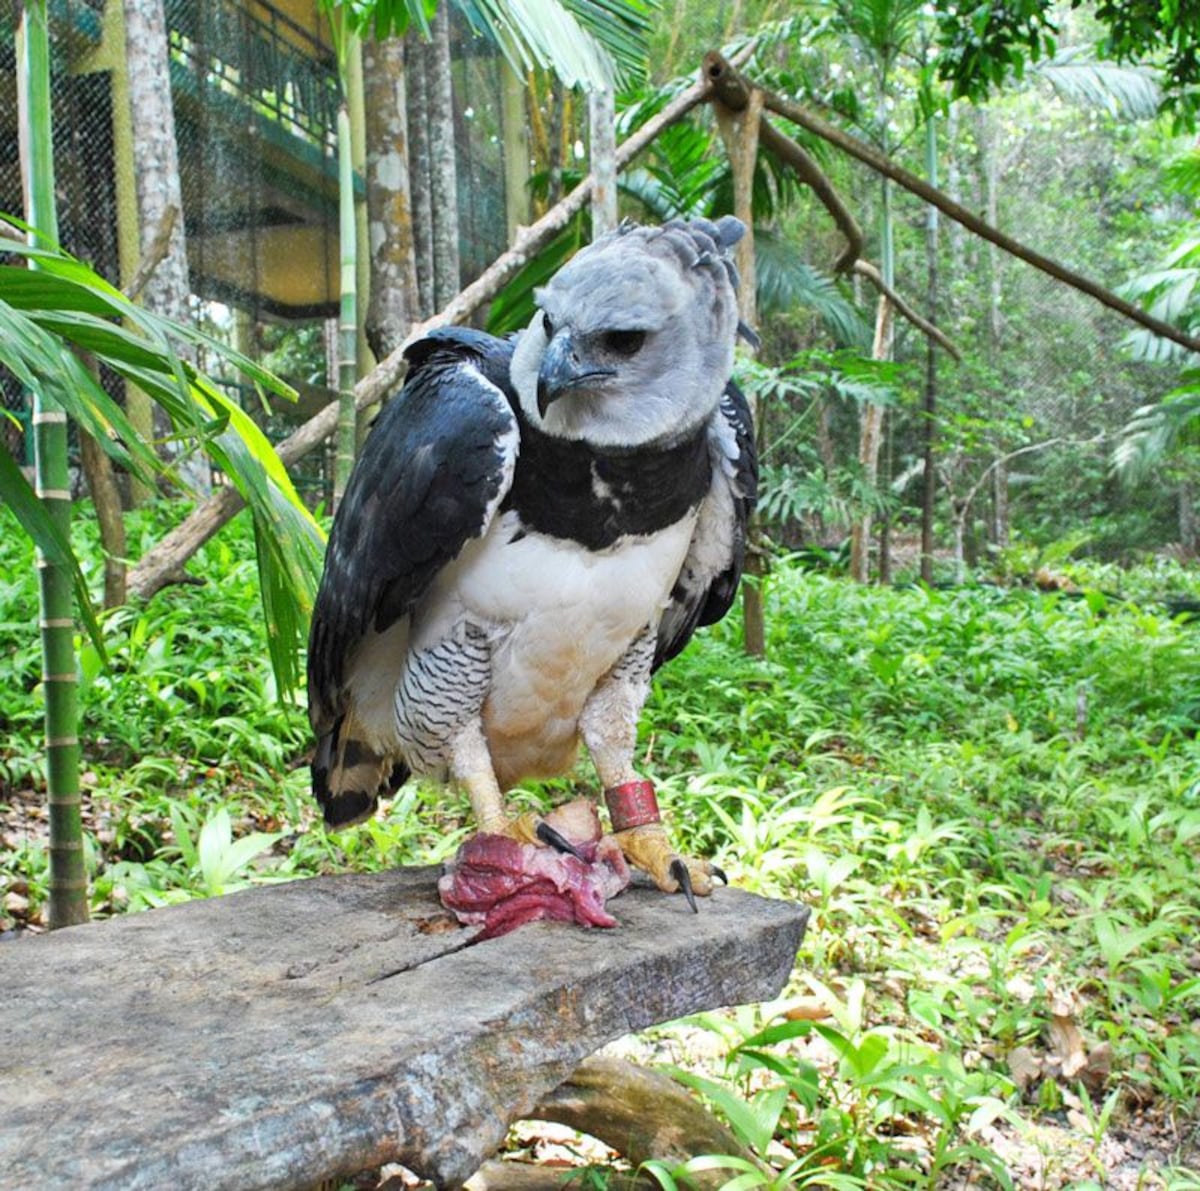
1025, 1067
807, 1009
1068, 1051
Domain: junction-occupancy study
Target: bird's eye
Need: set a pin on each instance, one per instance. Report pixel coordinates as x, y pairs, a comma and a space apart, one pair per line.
547, 326
624, 343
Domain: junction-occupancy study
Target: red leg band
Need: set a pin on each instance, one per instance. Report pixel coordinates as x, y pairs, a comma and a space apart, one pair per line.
632, 804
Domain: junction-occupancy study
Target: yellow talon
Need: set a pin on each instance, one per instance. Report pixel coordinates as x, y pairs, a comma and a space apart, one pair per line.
648, 848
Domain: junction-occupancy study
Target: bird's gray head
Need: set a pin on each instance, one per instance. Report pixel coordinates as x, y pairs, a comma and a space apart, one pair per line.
633, 340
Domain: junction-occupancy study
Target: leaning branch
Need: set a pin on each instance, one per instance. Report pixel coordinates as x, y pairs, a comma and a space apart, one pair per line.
734, 94
727, 80
732, 91
163, 563
155, 254
810, 173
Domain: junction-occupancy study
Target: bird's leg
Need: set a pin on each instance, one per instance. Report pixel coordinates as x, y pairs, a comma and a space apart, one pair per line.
609, 728
472, 770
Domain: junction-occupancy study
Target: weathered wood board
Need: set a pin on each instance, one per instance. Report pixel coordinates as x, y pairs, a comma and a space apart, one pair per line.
287, 1034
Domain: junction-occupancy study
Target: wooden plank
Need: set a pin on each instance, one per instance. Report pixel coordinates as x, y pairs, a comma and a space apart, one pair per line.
286, 1034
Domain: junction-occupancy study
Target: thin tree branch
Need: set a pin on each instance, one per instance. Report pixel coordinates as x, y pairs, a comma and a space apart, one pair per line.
735, 96
164, 561
726, 80
872, 274
809, 172
973, 491
160, 245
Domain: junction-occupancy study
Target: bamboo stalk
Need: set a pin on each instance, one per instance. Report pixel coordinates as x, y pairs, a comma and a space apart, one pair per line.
347, 420
68, 876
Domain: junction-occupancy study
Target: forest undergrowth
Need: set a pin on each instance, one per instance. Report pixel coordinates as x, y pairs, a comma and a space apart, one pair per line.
990, 798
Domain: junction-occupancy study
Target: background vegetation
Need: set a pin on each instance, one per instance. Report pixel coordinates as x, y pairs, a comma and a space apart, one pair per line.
987, 786
990, 798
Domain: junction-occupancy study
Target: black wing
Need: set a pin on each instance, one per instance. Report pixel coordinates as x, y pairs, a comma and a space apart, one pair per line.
704, 591
431, 474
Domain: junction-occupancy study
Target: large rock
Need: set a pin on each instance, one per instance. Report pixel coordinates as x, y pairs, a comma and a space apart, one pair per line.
288, 1034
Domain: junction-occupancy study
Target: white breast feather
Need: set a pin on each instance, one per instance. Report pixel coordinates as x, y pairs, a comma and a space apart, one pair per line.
561, 615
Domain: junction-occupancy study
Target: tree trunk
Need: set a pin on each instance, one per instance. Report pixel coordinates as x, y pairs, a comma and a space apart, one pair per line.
870, 433
885, 520
602, 145
156, 170
416, 57
1000, 521
515, 131
929, 425
106, 499
60, 684
960, 535
1188, 529
988, 168
870, 436
443, 163
392, 306
739, 131
954, 190
554, 139
990, 174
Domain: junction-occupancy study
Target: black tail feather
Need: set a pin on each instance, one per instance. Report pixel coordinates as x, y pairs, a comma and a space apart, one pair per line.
349, 777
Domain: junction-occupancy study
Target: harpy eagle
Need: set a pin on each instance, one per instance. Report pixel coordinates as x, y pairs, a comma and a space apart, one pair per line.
533, 527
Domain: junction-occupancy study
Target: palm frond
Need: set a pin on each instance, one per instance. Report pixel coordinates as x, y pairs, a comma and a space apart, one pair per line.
17, 493
622, 28
1156, 430
1183, 174
1169, 294
786, 280
681, 176
540, 33
1124, 92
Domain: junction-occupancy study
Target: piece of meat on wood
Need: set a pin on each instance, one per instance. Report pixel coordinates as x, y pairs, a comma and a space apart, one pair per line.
503, 884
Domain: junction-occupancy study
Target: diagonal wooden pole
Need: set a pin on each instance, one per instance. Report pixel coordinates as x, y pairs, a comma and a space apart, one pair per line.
727, 80
163, 563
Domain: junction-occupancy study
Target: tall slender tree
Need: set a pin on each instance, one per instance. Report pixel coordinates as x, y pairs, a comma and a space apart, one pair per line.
882, 29
602, 149
443, 162
392, 305
157, 182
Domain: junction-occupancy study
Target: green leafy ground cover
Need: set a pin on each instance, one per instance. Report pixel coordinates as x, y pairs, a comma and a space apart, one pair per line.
990, 798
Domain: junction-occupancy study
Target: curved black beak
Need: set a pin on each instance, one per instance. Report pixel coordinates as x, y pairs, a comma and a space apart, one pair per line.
562, 371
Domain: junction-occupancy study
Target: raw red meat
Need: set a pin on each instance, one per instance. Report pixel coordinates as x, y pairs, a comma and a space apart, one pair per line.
503, 884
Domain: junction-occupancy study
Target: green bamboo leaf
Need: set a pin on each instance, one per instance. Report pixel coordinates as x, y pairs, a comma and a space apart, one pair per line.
40, 289
16, 492
36, 357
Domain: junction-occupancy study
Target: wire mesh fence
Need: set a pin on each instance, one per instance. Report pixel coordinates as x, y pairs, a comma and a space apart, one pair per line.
256, 91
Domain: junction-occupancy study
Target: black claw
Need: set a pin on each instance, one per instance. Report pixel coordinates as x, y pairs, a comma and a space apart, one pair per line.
679, 871
556, 840
717, 871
